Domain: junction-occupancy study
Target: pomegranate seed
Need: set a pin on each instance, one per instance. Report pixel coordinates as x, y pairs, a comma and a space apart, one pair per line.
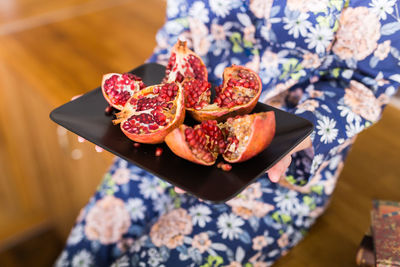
109, 109
136, 144
226, 167
159, 151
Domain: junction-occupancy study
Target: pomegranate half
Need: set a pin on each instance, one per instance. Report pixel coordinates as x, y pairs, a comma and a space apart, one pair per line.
152, 113
184, 63
118, 88
238, 95
238, 139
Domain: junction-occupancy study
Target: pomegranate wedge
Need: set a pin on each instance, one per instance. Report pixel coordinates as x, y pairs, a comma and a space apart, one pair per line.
238, 95
248, 135
184, 63
152, 113
238, 139
118, 88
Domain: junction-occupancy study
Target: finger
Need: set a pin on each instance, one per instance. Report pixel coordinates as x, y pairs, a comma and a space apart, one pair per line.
178, 190
278, 170
98, 149
75, 97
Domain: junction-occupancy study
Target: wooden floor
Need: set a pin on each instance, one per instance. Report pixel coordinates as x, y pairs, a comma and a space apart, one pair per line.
53, 50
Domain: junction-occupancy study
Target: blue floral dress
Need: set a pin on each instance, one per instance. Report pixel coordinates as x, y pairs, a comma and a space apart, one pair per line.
333, 62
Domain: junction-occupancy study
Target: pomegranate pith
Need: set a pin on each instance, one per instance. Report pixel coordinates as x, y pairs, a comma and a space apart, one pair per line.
118, 88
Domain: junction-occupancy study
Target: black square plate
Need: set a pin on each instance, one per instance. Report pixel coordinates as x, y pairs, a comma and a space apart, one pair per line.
85, 116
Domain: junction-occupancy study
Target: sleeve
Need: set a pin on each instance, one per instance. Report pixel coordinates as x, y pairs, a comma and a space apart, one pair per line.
176, 25
361, 73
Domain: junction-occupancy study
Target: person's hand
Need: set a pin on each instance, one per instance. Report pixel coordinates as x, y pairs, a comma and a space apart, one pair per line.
80, 138
278, 170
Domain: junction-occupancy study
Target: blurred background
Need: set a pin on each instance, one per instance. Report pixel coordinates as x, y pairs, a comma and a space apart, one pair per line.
52, 50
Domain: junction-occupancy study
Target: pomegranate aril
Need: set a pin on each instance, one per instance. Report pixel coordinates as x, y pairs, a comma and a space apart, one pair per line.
109, 109
158, 152
226, 167
135, 144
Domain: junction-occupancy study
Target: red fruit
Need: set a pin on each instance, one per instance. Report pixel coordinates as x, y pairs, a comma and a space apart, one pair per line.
238, 95
184, 63
248, 135
200, 144
238, 139
118, 88
152, 113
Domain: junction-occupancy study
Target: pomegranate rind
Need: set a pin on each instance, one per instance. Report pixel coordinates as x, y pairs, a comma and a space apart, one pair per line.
181, 50
159, 135
221, 114
176, 141
261, 134
214, 112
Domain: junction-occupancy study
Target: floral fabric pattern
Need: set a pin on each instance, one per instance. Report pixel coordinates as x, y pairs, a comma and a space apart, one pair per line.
333, 62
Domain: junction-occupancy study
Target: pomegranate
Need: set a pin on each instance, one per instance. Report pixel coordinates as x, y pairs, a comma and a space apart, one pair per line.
184, 63
118, 88
150, 114
248, 135
238, 139
238, 95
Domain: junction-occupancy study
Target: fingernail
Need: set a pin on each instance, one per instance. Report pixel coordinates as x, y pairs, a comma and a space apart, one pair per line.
75, 97
81, 139
178, 190
98, 149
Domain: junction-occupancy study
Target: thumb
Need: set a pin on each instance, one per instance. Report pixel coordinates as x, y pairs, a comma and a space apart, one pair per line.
278, 170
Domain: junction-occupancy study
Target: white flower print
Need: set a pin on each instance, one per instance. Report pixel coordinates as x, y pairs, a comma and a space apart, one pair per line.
287, 201
302, 212
173, 27
382, 7
329, 184
229, 226
326, 129
319, 38
135, 208
148, 188
121, 175
200, 215
316, 162
297, 24
335, 161
163, 204
121, 262
76, 235
137, 245
173, 8
220, 7
345, 111
199, 11
154, 257
82, 259
353, 128
62, 261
